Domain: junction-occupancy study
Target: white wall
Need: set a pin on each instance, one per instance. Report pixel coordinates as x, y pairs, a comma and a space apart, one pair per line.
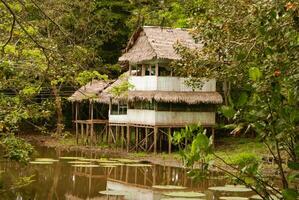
146, 117
118, 118
152, 117
183, 118
164, 83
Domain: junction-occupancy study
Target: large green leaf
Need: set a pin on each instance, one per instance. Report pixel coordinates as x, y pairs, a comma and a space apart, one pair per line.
255, 74
228, 111
293, 165
290, 194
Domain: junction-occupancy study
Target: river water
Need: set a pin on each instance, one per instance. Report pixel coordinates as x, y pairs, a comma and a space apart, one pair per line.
61, 180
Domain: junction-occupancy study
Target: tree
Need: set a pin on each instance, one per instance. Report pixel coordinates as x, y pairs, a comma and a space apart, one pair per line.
253, 47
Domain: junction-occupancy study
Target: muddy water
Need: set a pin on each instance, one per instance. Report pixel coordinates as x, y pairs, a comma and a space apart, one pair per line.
61, 180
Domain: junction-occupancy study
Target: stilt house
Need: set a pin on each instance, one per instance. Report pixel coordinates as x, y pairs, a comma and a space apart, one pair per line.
158, 101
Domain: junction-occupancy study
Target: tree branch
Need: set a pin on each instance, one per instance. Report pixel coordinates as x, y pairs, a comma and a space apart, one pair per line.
10, 32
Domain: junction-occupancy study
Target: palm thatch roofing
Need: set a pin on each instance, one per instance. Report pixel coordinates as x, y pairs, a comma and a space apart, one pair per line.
152, 43
176, 97
89, 91
108, 94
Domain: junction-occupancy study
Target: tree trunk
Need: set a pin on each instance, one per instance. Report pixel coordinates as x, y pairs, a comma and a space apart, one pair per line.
58, 108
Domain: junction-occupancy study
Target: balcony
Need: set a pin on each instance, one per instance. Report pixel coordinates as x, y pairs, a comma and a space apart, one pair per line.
161, 83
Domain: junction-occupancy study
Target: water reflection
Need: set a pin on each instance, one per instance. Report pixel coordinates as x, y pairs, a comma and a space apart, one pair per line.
63, 181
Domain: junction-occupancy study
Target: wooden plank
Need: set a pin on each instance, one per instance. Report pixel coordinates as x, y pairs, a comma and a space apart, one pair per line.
82, 132
157, 69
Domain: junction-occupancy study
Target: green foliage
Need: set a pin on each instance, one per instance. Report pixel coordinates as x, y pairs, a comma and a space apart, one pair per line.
86, 76
16, 149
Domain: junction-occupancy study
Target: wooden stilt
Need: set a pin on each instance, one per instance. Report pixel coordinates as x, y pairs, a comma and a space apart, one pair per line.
82, 132
91, 125
136, 138
106, 133
76, 119
160, 136
155, 139
117, 134
169, 140
122, 137
86, 133
213, 136
146, 139
128, 138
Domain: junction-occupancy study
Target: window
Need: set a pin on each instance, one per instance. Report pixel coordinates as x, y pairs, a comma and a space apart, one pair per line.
164, 70
183, 107
142, 105
119, 109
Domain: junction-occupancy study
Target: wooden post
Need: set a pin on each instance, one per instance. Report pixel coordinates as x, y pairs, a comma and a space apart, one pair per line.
169, 140
143, 69
91, 125
122, 137
146, 139
87, 132
155, 139
213, 136
128, 138
76, 121
130, 69
157, 69
82, 132
136, 138
117, 134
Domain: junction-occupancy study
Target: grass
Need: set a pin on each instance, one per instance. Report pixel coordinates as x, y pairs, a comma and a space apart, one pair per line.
232, 149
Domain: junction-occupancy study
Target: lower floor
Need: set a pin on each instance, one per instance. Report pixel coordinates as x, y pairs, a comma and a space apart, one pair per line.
128, 136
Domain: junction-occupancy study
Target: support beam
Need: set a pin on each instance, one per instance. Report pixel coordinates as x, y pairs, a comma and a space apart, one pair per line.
82, 132
122, 137
91, 125
169, 140
146, 138
77, 125
213, 136
136, 138
157, 69
128, 138
155, 139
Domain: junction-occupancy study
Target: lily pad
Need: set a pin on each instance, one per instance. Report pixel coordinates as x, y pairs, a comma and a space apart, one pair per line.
88, 159
139, 165
169, 187
242, 186
233, 198
106, 161
257, 197
230, 189
108, 166
78, 162
45, 160
87, 166
40, 163
114, 193
70, 158
180, 198
185, 194
125, 160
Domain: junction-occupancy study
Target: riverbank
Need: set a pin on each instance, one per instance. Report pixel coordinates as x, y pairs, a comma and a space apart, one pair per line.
230, 149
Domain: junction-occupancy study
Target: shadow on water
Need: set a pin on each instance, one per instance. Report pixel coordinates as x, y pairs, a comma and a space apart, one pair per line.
61, 180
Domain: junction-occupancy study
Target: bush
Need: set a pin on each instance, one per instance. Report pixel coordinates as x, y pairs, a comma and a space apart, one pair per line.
16, 149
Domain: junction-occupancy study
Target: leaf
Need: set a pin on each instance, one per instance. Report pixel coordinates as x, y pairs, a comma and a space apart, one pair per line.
293, 176
242, 100
293, 165
227, 111
290, 194
255, 74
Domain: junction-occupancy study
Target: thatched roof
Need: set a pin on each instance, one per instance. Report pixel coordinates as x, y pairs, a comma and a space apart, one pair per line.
150, 42
89, 91
176, 97
106, 94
